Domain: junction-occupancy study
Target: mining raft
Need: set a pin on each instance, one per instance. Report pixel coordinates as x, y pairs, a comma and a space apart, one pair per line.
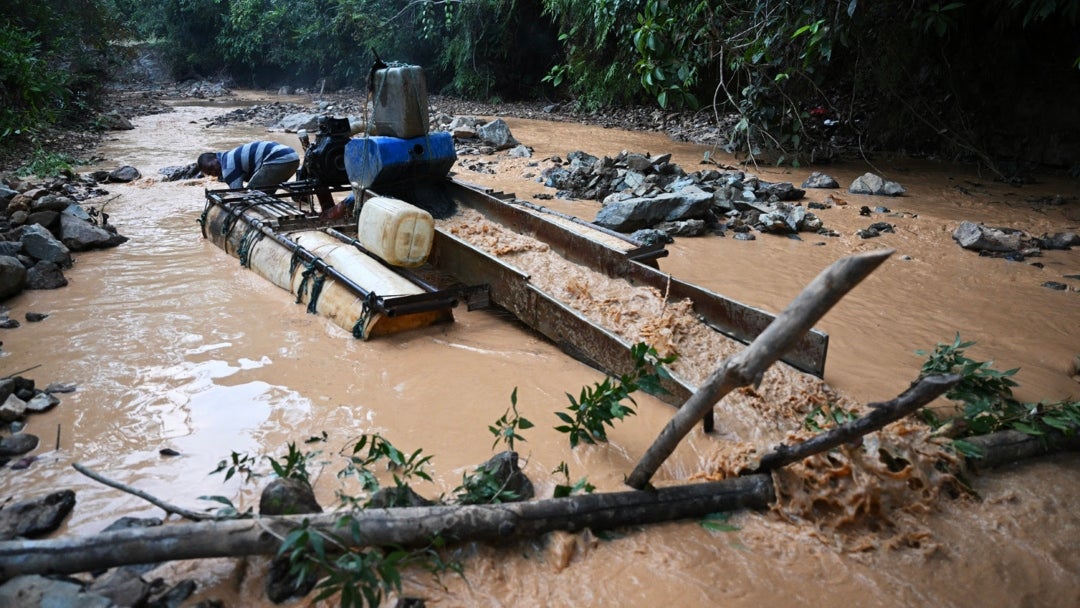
372, 258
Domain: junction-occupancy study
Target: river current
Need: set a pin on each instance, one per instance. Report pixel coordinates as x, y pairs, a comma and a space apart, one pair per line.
174, 345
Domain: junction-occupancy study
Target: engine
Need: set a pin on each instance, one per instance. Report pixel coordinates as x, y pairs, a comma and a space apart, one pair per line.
324, 161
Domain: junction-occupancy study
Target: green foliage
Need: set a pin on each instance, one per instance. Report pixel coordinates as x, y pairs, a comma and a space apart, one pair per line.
718, 522
47, 164
596, 54
826, 417
565, 489
985, 401
483, 487
600, 405
360, 464
506, 427
361, 576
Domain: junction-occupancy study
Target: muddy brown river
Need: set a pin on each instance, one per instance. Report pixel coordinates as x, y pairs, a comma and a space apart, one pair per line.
174, 345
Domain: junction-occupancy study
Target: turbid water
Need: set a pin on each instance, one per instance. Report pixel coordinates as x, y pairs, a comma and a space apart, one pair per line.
174, 345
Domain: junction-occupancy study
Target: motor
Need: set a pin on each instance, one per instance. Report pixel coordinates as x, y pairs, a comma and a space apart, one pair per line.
324, 161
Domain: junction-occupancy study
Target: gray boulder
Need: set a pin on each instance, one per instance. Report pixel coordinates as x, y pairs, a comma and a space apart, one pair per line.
33, 591
76, 210
174, 173
17, 444
497, 133
51, 202
45, 275
36, 517
124, 174
301, 121
81, 235
869, 183
115, 122
977, 237
12, 276
13, 408
818, 179
643, 212
1060, 240
40, 244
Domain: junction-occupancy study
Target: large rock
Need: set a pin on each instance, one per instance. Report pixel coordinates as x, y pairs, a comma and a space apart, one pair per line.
288, 497
504, 468
17, 444
35, 517
13, 408
51, 202
174, 173
115, 122
12, 276
124, 174
45, 275
35, 591
497, 133
818, 179
81, 235
40, 244
123, 586
869, 183
642, 212
302, 121
983, 238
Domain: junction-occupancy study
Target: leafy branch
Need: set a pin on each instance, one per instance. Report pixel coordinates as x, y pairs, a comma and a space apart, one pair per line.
600, 405
985, 403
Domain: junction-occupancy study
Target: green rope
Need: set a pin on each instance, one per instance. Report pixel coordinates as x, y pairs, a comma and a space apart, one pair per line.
294, 262
310, 269
367, 309
202, 218
316, 291
316, 285
247, 243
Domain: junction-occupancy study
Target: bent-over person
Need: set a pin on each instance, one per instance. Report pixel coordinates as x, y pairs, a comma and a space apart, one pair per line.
261, 164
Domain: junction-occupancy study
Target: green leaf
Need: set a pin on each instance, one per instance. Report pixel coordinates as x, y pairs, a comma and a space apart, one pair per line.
718, 522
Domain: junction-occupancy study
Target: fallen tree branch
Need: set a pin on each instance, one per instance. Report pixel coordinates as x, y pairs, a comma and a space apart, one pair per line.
157, 502
916, 396
747, 366
406, 526
1004, 447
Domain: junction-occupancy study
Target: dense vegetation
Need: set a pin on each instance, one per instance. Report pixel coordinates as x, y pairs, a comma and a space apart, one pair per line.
992, 81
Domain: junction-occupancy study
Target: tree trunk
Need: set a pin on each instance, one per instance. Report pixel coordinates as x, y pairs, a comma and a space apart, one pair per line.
407, 526
750, 364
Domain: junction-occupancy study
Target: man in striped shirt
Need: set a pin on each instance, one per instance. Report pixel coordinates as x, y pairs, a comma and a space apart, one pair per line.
262, 164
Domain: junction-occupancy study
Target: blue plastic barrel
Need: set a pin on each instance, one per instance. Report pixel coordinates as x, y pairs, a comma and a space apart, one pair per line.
376, 159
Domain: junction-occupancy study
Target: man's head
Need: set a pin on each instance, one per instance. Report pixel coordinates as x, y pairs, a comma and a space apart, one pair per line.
209, 164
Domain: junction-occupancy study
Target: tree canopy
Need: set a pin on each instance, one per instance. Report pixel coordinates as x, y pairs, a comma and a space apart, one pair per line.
986, 80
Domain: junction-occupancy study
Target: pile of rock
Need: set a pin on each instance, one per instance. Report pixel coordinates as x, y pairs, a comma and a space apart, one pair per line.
1016, 245
655, 199
42, 223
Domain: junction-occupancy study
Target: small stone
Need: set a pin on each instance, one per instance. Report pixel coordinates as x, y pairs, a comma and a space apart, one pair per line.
1055, 285
41, 402
60, 387
34, 317
168, 452
13, 408
16, 445
23, 463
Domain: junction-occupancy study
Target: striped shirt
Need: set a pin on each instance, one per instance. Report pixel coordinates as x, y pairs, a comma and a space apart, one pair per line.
239, 164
